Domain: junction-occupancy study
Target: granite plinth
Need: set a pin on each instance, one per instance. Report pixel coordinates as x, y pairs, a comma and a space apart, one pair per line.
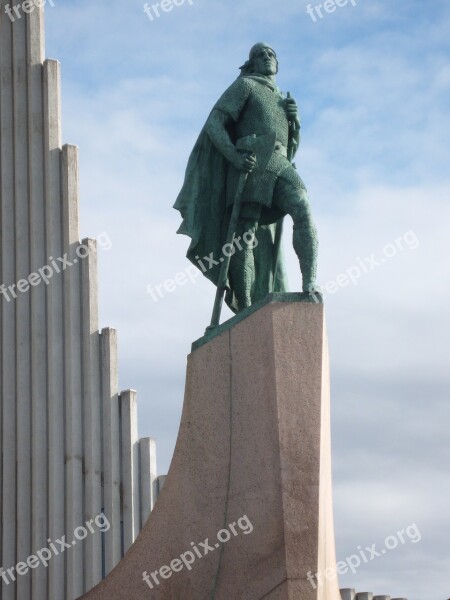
248, 493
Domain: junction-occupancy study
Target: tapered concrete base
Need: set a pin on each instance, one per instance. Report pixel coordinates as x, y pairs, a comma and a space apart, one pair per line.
252, 462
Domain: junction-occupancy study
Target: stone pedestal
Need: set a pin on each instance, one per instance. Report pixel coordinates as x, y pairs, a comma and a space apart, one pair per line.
247, 503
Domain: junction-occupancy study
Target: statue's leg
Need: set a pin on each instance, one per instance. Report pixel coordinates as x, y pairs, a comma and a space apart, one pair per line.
295, 202
242, 264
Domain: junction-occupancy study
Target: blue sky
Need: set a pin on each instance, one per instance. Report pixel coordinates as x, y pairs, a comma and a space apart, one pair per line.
373, 86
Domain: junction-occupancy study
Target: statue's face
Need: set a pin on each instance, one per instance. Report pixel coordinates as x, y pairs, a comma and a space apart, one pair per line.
265, 61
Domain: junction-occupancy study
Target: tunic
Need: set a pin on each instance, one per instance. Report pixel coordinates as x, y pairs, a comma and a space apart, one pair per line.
256, 106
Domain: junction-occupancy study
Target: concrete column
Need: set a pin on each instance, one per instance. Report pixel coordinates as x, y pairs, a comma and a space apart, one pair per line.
327, 548
73, 373
38, 259
55, 322
8, 309
111, 445
36, 36
161, 481
69, 185
148, 477
92, 412
58, 383
130, 468
22, 301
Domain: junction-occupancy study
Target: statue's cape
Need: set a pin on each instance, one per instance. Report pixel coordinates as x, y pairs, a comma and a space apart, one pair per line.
202, 204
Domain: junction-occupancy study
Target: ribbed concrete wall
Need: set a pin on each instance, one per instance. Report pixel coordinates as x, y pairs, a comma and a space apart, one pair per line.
68, 438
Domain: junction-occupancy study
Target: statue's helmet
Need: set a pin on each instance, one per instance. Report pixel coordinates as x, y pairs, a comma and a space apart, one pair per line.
248, 66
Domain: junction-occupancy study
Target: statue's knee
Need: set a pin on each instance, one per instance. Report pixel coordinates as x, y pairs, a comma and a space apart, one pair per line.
245, 238
301, 212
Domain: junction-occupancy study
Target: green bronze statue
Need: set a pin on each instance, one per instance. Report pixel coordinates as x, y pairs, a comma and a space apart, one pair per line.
240, 183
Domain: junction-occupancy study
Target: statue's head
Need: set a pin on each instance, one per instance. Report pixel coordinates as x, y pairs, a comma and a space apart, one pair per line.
262, 60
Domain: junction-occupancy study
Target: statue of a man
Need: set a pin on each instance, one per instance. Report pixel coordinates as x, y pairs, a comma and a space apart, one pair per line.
252, 106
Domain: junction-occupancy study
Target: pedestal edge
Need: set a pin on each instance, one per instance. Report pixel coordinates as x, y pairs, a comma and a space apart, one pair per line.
285, 297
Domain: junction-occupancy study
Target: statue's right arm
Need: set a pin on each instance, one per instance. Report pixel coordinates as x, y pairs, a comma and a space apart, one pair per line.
216, 128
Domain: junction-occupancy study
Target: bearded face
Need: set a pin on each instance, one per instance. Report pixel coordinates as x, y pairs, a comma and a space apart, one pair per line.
264, 60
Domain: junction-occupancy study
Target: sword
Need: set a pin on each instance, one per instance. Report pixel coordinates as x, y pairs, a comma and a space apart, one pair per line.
292, 131
225, 266
262, 148
279, 225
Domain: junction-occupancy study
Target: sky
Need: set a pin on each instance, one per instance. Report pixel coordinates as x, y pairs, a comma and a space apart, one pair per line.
372, 81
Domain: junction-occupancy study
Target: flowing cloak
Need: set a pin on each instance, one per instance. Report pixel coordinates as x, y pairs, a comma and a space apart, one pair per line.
202, 203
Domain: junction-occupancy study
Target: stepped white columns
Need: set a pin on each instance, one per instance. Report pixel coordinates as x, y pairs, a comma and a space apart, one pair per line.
69, 447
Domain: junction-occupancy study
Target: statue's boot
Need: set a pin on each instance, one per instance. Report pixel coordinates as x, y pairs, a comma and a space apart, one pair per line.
306, 247
242, 271
242, 268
